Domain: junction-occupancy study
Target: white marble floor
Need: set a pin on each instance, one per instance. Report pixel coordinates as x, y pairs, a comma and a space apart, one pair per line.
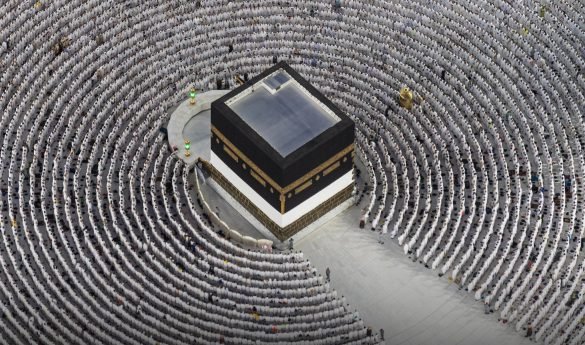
198, 131
198, 128
390, 291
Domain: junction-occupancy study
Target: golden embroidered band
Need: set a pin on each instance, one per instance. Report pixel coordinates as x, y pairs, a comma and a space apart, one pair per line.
331, 168
303, 186
262, 174
282, 203
230, 153
318, 169
245, 159
258, 178
291, 229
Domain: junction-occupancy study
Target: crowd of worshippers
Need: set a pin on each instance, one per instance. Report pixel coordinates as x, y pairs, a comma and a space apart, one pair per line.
252, 45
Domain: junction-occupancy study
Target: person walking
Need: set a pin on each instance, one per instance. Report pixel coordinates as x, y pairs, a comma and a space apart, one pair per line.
328, 274
290, 244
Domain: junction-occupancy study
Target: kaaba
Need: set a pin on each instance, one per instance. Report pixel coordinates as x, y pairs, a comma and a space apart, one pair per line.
282, 150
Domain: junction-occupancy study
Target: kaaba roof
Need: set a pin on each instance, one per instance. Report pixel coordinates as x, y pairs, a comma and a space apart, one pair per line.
282, 111
282, 123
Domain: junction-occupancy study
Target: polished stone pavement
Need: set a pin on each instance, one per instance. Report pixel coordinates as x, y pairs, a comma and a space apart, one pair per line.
198, 127
390, 291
